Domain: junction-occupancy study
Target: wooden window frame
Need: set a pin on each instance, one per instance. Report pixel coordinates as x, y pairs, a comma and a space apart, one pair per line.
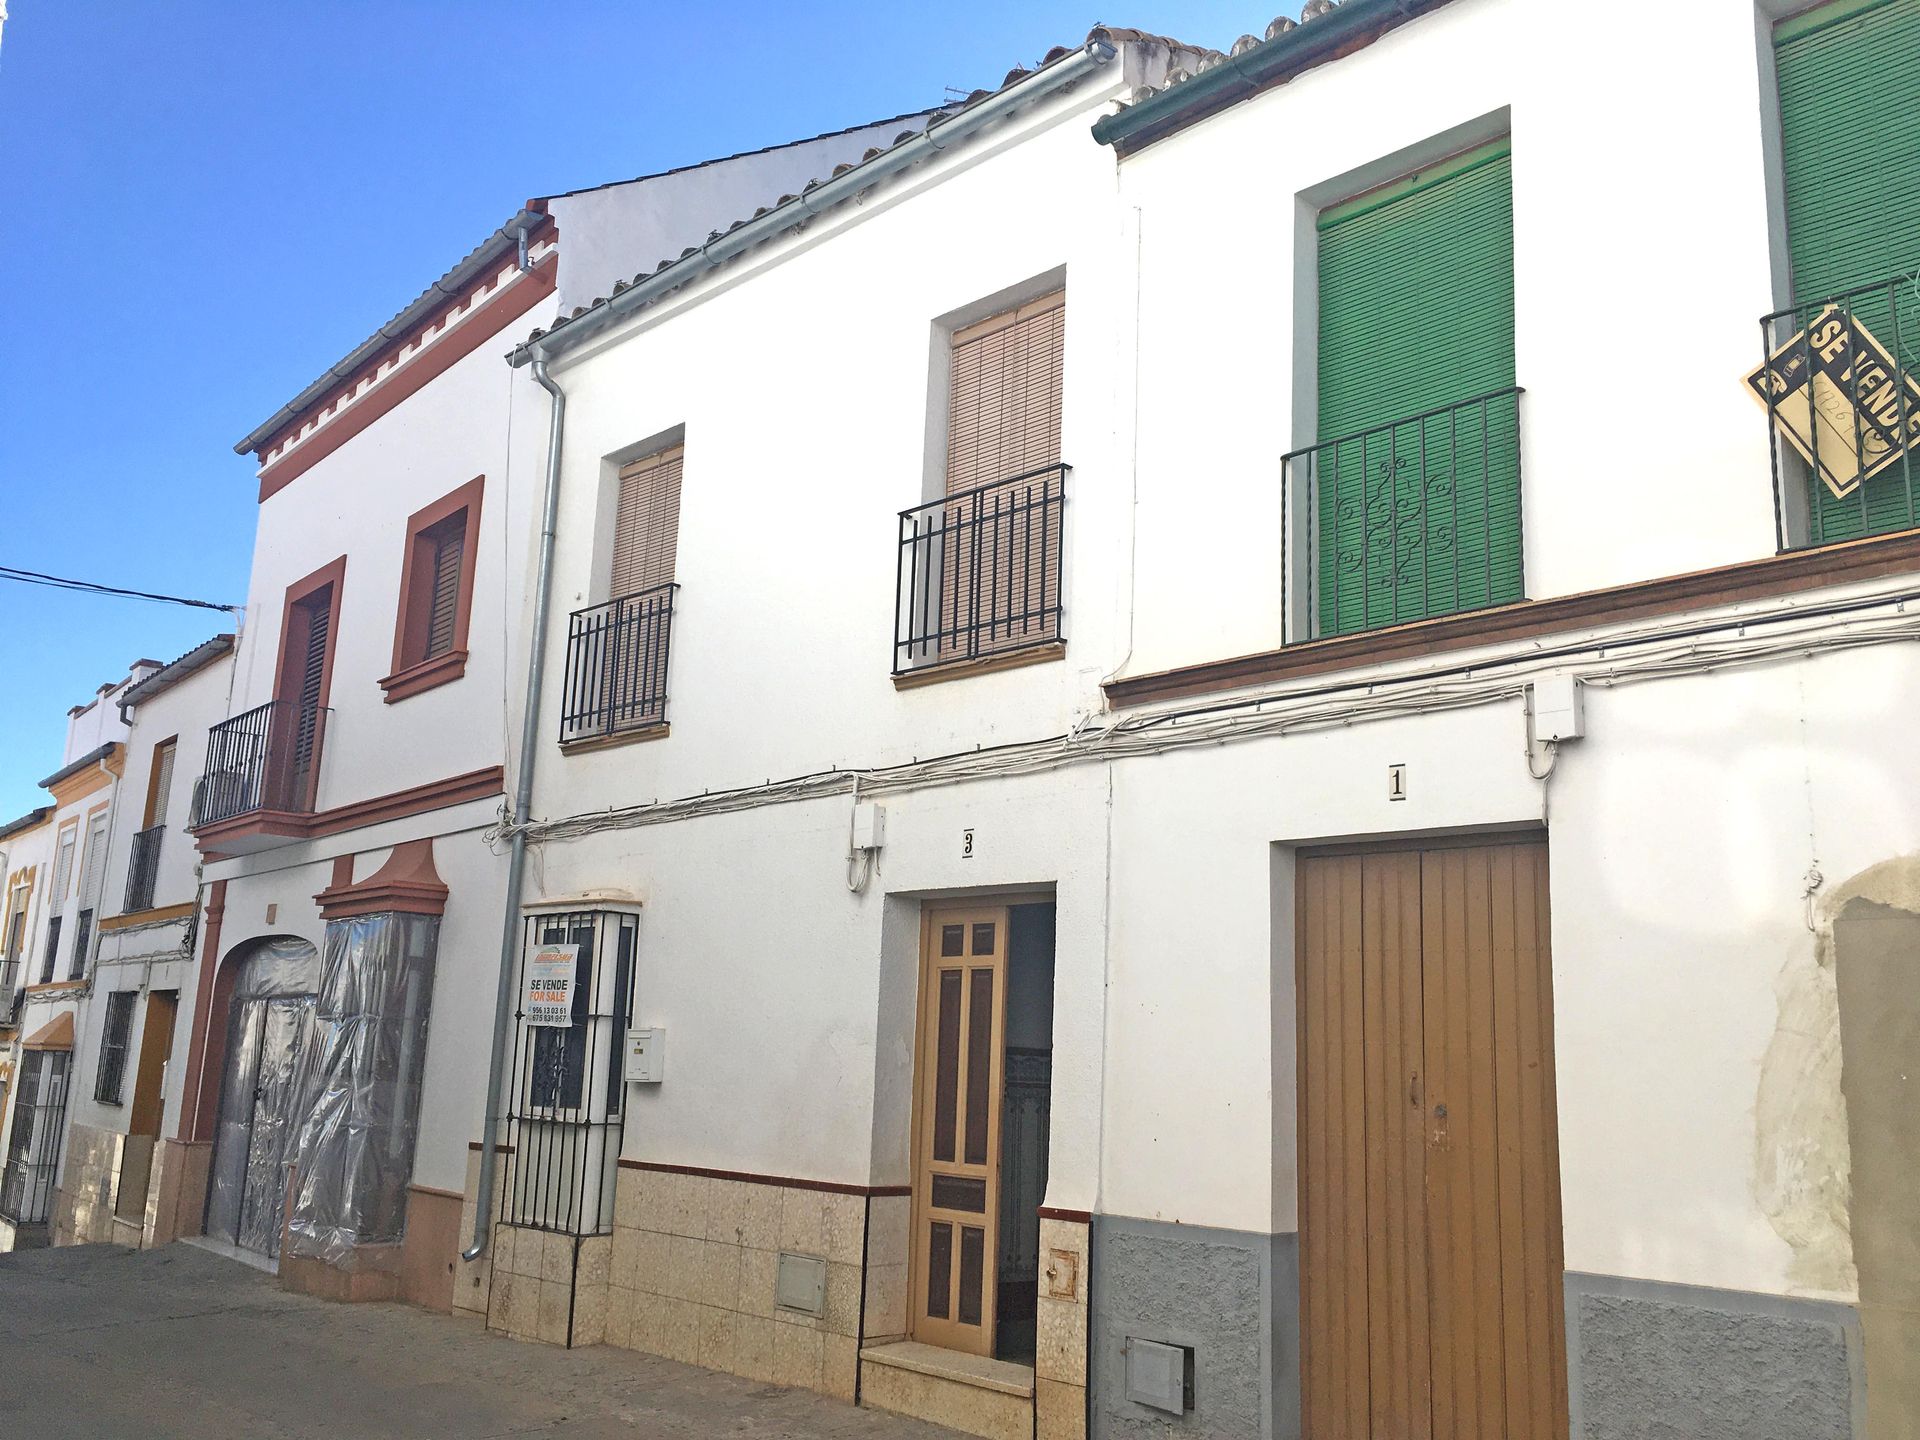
414, 672
155, 798
334, 573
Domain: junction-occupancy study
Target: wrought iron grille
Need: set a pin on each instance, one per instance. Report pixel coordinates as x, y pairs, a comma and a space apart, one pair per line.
1405, 521
979, 571
617, 657
143, 868
264, 759
1840, 378
33, 1149
114, 1038
567, 1110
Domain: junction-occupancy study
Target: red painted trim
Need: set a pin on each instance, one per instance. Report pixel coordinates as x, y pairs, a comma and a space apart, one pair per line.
1074, 1217
407, 884
785, 1182
196, 1119
468, 335
1771, 578
412, 673
399, 805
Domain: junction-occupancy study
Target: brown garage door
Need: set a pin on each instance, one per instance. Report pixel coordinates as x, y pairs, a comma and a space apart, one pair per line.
1431, 1265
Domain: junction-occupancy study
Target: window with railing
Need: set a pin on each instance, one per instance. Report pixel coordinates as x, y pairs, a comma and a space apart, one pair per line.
617, 654
569, 1088
143, 868
33, 1148
1840, 379
1406, 521
978, 571
115, 1036
264, 759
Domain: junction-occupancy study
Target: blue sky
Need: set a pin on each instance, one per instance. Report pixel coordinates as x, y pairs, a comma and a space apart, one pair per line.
211, 202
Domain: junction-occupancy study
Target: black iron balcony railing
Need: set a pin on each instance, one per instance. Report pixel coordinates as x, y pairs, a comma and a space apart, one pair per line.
1840, 378
264, 759
617, 656
979, 571
1406, 521
143, 868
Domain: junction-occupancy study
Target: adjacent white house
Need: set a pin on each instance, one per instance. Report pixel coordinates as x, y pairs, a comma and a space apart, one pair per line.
54, 905
120, 1180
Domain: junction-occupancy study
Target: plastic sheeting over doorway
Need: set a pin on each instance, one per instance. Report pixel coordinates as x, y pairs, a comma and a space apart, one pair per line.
269, 1038
353, 1155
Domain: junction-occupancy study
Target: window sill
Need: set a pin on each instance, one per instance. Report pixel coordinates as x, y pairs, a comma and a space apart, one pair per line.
618, 738
985, 665
427, 675
54, 987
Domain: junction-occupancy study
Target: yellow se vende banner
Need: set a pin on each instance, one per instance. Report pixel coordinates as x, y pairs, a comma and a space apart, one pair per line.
1839, 398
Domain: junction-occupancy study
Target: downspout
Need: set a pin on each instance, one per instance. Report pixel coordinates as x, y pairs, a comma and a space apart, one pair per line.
522, 804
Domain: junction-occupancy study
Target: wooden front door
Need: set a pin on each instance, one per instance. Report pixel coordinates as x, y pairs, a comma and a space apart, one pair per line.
956, 1181
1431, 1289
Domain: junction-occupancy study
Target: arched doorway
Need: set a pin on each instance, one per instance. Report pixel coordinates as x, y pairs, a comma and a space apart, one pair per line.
270, 1027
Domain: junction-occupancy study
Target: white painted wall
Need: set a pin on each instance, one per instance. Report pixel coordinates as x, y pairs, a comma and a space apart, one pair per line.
1641, 267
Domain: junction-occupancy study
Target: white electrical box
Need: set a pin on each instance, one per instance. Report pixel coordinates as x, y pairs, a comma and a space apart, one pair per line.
1558, 711
646, 1057
869, 826
1160, 1375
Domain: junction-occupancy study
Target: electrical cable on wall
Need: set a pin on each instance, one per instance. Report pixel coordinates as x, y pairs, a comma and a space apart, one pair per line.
1744, 641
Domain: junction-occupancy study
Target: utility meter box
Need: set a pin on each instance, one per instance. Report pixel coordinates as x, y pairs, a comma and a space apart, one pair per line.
869, 826
646, 1057
1160, 1375
1559, 711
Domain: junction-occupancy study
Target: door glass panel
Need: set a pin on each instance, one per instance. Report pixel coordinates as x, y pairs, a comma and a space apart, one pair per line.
946, 1079
939, 1268
973, 1271
983, 938
953, 939
979, 1065
956, 1192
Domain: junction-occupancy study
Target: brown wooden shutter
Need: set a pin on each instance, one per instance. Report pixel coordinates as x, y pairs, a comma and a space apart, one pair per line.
449, 540
159, 783
997, 590
1003, 397
646, 527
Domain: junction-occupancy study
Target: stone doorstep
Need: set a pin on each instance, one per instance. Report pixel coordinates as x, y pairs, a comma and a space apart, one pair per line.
976, 1371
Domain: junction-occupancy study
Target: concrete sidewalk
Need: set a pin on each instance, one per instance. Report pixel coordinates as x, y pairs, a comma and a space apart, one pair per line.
103, 1343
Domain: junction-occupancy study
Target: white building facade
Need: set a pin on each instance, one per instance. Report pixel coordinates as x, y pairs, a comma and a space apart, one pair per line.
1437, 873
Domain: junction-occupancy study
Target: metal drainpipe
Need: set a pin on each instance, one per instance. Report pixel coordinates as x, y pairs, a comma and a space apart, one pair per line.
522, 803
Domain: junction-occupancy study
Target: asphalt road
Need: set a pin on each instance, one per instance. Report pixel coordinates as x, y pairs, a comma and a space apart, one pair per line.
99, 1343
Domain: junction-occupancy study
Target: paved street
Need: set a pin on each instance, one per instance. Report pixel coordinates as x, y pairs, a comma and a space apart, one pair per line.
102, 1343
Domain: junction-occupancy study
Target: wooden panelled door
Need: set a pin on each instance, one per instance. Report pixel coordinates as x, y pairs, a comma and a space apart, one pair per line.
956, 1180
1431, 1269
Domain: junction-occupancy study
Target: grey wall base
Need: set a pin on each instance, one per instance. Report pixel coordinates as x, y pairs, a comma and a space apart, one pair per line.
1648, 1361
1233, 1297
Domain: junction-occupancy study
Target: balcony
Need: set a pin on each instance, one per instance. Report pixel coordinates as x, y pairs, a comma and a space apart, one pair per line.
143, 869
977, 583
616, 680
1409, 520
1843, 404
258, 787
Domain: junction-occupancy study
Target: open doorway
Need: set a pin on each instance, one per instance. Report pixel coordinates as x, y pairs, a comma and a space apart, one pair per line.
983, 1102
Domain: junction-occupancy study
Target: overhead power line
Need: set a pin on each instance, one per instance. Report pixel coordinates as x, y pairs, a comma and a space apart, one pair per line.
90, 587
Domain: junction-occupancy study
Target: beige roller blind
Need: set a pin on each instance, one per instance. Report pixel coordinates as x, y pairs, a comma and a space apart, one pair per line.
1003, 400
646, 525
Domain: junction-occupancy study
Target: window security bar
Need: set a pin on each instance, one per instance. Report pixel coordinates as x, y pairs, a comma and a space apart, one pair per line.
617, 656
1412, 519
263, 759
979, 571
1840, 378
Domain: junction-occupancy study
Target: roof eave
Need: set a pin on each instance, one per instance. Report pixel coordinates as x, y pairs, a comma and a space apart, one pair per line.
1332, 35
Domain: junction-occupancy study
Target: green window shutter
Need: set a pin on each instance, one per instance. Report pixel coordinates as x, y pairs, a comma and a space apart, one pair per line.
1849, 81
1418, 517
